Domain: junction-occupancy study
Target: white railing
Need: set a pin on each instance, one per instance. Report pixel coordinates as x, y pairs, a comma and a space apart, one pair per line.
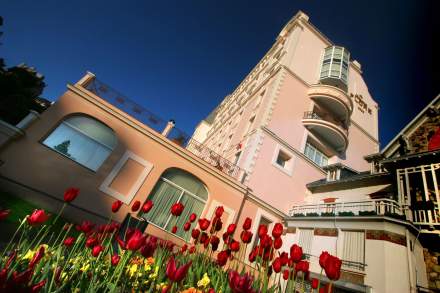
356, 208
424, 217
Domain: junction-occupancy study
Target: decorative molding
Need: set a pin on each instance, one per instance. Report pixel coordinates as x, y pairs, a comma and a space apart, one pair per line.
331, 232
126, 198
386, 236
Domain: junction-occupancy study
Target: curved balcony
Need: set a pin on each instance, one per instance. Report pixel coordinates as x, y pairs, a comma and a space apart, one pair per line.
332, 132
333, 99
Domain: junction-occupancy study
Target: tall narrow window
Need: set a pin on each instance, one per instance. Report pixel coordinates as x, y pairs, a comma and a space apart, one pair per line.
249, 126
353, 249
176, 185
305, 240
83, 140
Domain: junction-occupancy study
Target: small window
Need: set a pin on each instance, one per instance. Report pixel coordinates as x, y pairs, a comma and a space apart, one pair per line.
84, 140
283, 159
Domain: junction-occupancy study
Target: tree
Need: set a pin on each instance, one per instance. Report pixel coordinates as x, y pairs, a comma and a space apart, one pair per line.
63, 147
20, 86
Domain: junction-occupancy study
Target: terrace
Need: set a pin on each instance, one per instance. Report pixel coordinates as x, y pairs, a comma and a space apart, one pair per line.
161, 126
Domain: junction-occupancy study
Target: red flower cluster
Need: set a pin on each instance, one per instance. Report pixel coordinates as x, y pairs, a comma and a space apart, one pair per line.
240, 284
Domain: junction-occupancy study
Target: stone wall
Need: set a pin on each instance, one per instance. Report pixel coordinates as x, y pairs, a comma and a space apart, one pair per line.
419, 140
432, 268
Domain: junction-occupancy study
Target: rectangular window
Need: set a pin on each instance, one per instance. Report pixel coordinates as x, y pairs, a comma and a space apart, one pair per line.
353, 249
283, 159
249, 126
315, 155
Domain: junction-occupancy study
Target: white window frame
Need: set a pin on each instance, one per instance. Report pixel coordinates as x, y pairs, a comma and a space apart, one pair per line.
105, 186
288, 167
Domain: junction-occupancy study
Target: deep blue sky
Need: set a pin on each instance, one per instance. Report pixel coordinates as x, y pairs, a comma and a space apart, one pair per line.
180, 58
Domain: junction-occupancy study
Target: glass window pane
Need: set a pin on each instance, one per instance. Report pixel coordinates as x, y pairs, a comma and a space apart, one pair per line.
93, 129
187, 182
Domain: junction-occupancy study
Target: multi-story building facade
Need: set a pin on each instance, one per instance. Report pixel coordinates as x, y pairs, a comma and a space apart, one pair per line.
303, 106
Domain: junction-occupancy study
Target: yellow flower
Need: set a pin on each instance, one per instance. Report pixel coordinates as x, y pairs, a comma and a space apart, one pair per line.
154, 275
85, 267
132, 269
29, 255
204, 282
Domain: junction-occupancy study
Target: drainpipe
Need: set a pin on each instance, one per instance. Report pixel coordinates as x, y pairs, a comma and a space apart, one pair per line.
170, 125
412, 288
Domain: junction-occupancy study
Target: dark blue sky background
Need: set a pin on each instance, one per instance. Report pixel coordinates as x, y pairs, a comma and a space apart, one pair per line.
180, 58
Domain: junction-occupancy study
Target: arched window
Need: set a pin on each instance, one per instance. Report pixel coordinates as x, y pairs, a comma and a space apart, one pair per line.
84, 140
176, 185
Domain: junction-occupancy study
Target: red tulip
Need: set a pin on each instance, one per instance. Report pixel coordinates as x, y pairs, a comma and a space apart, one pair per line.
176, 275
115, 259
277, 243
69, 241
97, 250
216, 225
296, 253
147, 206
149, 247
246, 236
37, 217
222, 258
192, 217
38, 286
184, 248
332, 268
91, 241
187, 226
253, 254
136, 205
231, 229
195, 233
234, 245
284, 256
262, 230
37, 257
70, 194
302, 266
174, 230
4, 214
85, 227
22, 278
116, 206
204, 224
266, 241
192, 249
277, 230
211, 290
203, 237
214, 242
315, 283
177, 209
219, 211
225, 237
277, 265
247, 224
136, 240
240, 284
323, 258
286, 274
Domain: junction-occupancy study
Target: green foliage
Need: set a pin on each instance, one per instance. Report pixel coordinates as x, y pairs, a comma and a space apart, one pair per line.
63, 147
367, 213
345, 214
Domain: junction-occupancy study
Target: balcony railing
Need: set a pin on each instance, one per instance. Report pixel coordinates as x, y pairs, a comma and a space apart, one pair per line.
325, 117
381, 207
158, 124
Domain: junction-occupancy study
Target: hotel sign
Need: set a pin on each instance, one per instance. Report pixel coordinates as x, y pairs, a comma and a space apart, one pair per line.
361, 105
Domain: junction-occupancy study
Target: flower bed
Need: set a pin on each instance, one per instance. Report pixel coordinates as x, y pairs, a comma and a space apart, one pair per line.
88, 257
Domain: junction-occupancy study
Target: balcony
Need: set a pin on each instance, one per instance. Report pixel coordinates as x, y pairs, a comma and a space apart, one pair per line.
333, 99
377, 207
158, 124
333, 132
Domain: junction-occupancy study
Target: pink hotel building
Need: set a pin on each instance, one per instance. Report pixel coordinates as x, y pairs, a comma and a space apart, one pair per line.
305, 105
302, 114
